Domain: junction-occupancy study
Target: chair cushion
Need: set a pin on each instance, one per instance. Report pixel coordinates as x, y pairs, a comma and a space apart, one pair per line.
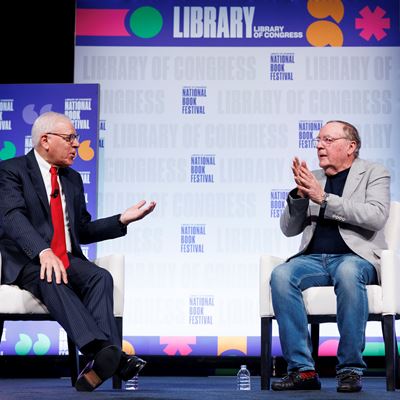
14, 300
322, 300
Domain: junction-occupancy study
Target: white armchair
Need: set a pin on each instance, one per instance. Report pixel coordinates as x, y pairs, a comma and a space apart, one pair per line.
320, 303
20, 305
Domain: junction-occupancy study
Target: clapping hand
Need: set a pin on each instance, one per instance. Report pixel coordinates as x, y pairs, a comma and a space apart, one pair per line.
307, 184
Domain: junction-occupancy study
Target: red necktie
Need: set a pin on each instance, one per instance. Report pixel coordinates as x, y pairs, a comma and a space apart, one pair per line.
57, 218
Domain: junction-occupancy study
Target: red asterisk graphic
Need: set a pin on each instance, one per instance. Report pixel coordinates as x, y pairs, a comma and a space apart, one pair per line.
178, 344
372, 23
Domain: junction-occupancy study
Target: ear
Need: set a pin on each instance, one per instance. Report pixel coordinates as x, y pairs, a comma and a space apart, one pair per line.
352, 148
43, 142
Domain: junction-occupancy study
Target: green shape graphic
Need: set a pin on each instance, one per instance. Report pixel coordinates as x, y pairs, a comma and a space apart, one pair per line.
24, 345
146, 22
374, 349
42, 345
8, 151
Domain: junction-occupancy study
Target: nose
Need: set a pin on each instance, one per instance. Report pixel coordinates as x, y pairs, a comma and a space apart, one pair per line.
75, 142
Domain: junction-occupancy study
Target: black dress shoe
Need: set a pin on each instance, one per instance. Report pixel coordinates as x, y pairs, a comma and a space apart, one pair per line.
349, 382
103, 366
130, 366
304, 380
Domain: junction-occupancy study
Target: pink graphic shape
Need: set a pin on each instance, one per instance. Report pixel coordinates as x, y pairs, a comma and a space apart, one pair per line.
328, 348
372, 23
92, 22
177, 344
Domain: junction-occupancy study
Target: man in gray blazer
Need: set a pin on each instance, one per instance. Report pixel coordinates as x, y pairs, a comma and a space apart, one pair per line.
77, 293
341, 210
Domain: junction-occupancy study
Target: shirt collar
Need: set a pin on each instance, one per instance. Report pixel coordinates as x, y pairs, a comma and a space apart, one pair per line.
43, 164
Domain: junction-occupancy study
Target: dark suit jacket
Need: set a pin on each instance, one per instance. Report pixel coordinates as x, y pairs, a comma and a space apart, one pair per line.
25, 219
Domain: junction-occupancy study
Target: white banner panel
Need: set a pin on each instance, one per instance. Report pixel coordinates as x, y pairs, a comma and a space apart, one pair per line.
209, 132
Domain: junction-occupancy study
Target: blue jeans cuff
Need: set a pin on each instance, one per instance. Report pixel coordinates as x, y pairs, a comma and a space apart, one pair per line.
358, 371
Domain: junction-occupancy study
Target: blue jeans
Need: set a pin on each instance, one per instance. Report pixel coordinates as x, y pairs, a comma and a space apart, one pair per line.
349, 274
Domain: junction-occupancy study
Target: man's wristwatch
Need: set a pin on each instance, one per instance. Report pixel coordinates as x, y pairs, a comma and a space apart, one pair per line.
324, 200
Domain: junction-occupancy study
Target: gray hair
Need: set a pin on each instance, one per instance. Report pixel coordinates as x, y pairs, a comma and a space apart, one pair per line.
45, 123
351, 133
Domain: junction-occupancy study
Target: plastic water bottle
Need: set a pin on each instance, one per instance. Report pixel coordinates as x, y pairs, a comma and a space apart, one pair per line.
133, 383
243, 379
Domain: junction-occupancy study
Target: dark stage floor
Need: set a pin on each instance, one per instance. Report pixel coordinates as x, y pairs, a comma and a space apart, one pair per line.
182, 388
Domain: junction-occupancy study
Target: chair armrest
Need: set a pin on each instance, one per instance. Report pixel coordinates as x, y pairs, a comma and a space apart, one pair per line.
390, 281
115, 264
267, 264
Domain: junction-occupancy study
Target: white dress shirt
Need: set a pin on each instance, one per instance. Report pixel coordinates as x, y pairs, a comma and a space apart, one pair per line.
45, 171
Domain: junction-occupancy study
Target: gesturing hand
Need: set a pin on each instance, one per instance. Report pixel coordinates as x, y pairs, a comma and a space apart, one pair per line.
307, 183
296, 175
136, 212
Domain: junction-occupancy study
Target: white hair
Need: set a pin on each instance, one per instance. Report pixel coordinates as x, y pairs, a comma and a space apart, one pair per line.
45, 123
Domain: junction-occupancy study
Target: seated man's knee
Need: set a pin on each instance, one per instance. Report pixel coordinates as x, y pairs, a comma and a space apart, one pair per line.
348, 272
51, 286
104, 275
351, 275
280, 276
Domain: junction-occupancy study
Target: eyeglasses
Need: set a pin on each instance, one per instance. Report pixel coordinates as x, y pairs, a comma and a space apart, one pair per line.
327, 140
68, 138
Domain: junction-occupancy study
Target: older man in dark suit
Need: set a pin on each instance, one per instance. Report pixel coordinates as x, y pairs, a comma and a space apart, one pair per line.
44, 220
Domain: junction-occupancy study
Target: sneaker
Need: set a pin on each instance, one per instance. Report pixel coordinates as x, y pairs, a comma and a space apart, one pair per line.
299, 380
349, 382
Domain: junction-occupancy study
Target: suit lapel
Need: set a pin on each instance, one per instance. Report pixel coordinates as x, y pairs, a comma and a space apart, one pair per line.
356, 173
321, 177
37, 180
68, 190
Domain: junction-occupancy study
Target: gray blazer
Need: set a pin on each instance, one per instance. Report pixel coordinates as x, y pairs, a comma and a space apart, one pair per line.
361, 211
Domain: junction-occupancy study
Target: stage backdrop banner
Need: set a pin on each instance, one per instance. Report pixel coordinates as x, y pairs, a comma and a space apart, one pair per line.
202, 108
20, 105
